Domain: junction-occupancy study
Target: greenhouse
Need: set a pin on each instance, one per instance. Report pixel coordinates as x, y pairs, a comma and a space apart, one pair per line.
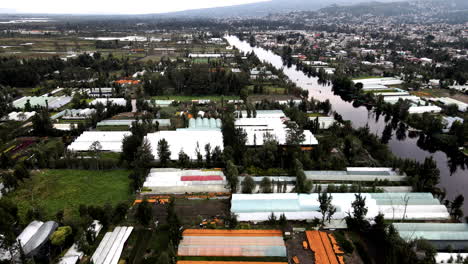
129, 122
263, 113
34, 244
188, 141
232, 243
394, 206
356, 174
176, 181
19, 116
42, 101
111, 246
116, 101
109, 140
203, 124
440, 235
74, 113
258, 128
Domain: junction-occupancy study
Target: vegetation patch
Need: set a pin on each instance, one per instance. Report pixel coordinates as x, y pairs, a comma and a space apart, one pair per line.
55, 190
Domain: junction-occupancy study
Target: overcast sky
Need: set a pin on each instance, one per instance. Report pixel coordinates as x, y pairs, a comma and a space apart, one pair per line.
114, 6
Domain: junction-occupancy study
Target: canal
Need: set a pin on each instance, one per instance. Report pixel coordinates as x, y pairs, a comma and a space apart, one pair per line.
453, 177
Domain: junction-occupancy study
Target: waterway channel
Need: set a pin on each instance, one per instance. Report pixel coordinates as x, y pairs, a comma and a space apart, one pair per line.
453, 177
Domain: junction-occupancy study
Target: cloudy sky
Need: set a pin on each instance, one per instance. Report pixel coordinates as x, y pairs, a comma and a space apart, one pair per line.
115, 6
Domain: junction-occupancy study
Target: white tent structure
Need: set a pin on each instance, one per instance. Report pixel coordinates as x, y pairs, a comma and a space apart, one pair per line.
379, 81
19, 116
424, 109
394, 206
111, 246
186, 140
176, 181
116, 101
109, 140
257, 128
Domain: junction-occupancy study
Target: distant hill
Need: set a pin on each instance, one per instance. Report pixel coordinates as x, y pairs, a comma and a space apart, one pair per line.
263, 8
413, 11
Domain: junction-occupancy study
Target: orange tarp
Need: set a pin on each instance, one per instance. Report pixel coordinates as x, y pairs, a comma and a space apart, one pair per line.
336, 247
242, 233
225, 262
315, 244
325, 252
328, 248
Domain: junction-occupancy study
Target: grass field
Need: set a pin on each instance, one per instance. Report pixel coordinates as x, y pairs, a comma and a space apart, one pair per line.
196, 97
53, 190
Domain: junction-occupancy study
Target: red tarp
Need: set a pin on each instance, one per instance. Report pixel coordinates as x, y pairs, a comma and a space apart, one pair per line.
202, 178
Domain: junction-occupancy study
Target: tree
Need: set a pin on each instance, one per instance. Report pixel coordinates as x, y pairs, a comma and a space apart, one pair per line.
144, 213
59, 237
265, 185
272, 220
302, 184
231, 221
120, 212
295, 135
184, 159
95, 148
42, 124
248, 185
130, 146
283, 221
456, 207
164, 153
144, 156
325, 201
208, 154
232, 175
358, 219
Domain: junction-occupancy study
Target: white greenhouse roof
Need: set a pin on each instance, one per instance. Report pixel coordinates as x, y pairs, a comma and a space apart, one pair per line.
424, 109
111, 246
258, 207
109, 140
116, 101
264, 113
175, 181
256, 128
19, 116
187, 141
42, 101
379, 81
356, 174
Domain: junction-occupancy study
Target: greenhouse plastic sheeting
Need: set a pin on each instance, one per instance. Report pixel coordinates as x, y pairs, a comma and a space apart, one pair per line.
258, 207
29, 232
442, 257
111, 246
39, 238
232, 246
109, 140
256, 128
186, 181
187, 141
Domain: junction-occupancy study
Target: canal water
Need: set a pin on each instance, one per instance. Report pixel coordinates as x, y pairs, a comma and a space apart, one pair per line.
453, 177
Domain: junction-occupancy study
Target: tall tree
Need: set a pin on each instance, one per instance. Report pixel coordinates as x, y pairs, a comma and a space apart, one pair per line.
248, 185
232, 175
164, 154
